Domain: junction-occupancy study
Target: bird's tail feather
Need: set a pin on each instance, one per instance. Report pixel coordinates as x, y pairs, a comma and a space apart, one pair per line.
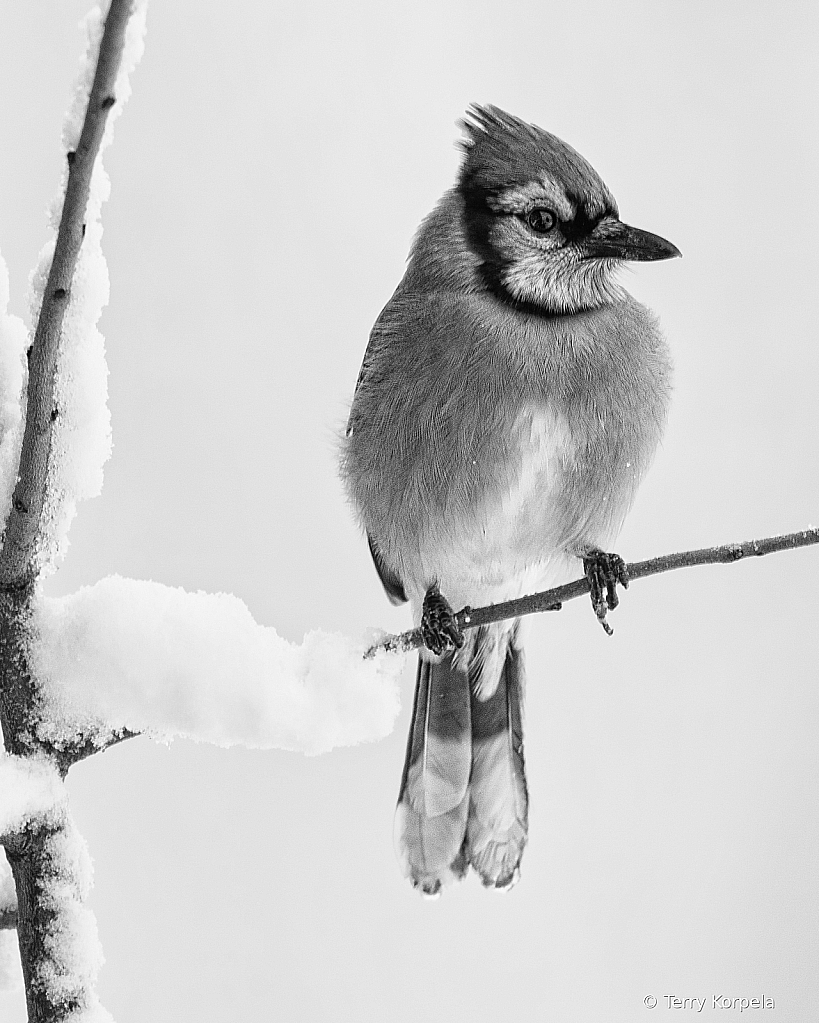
497, 821
463, 792
430, 821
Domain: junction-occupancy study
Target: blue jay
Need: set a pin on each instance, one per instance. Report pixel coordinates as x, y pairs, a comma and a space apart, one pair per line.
511, 399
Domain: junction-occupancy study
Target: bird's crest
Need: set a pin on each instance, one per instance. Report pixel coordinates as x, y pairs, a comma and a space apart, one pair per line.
502, 150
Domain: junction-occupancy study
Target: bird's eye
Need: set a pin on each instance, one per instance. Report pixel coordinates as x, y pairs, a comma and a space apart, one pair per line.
541, 220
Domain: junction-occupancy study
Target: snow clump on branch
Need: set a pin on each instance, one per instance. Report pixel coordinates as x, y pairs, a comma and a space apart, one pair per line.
129, 654
31, 789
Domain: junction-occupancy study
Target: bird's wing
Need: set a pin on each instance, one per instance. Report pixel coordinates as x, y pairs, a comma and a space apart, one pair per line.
374, 345
362, 373
392, 584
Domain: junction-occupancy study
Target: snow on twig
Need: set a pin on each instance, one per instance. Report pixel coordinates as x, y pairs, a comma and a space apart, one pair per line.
61, 977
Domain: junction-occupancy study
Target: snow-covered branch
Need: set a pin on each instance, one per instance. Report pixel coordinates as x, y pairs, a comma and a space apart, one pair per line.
60, 951
65, 441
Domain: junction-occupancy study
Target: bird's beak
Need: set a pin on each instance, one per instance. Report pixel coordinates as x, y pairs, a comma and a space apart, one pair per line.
613, 238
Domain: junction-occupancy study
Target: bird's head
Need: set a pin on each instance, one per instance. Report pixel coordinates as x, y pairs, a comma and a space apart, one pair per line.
540, 219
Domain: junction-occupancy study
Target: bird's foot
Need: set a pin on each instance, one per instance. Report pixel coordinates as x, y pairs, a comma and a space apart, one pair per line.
439, 626
604, 571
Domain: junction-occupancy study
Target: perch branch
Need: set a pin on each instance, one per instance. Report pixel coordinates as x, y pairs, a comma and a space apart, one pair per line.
553, 600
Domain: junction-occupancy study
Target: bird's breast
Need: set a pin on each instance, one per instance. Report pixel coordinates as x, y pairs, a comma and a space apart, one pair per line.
557, 491
500, 445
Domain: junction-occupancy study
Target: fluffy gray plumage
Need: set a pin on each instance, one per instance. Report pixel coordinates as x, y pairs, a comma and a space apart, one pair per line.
511, 399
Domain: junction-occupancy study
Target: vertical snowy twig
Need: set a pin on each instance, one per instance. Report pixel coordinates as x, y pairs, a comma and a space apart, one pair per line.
18, 559
57, 935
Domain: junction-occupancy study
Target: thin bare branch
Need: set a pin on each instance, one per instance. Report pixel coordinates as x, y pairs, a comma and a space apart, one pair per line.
17, 559
552, 600
84, 748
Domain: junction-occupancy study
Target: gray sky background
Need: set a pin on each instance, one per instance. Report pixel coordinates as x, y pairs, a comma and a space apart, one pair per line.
267, 176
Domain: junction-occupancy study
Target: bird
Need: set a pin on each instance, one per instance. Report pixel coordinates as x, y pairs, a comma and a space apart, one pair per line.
511, 398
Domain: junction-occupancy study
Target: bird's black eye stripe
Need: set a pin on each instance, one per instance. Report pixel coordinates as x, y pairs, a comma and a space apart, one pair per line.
540, 219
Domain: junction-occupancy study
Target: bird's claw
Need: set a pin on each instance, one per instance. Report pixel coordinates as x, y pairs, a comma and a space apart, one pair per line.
604, 571
439, 626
